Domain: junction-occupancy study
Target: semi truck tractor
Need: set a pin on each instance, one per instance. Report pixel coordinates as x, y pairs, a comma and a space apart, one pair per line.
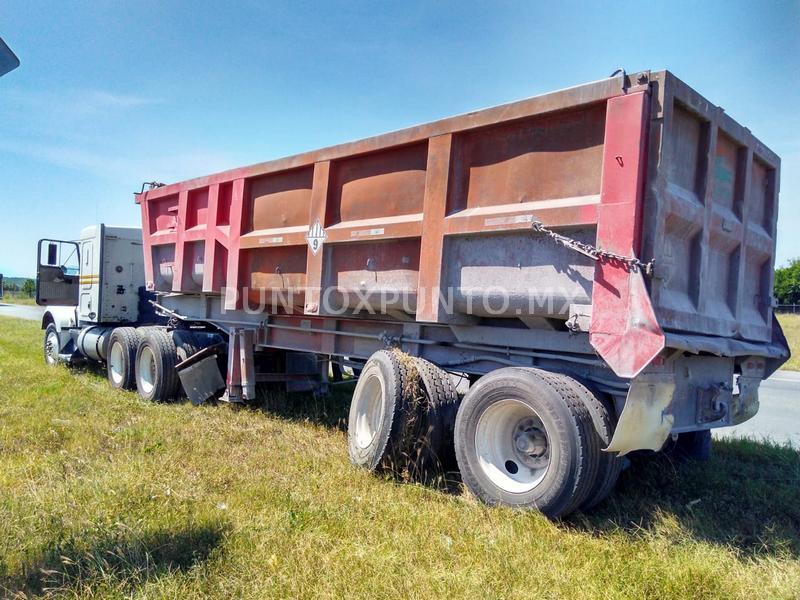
594, 265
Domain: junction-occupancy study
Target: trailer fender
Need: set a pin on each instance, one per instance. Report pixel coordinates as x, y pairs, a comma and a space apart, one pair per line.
645, 423
63, 317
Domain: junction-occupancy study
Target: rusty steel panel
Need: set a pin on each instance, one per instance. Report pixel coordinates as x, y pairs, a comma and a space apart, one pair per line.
711, 217
541, 158
376, 185
280, 199
641, 166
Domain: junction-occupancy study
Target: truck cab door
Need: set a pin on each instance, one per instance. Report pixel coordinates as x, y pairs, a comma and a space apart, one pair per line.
89, 283
57, 273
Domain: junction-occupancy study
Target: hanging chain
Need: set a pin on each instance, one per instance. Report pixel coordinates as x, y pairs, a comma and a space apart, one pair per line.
628, 263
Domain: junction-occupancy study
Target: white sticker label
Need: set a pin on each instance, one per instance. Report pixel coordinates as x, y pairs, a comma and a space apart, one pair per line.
315, 237
271, 240
367, 232
508, 220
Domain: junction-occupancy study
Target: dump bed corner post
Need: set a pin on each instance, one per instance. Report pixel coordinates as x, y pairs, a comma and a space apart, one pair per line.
147, 249
624, 329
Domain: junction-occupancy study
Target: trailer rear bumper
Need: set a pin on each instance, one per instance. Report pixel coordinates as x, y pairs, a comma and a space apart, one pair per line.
703, 384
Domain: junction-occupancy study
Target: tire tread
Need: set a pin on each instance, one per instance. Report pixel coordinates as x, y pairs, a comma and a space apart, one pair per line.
129, 338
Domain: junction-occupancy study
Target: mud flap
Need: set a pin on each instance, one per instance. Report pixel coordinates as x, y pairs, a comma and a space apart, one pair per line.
645, 423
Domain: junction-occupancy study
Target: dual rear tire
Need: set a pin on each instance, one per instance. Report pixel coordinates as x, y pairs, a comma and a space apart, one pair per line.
401, 417
156, 358
121, 358
533, 439
144, 359
522, 437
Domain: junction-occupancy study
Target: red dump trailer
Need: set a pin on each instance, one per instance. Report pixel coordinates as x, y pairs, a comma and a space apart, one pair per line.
596, 262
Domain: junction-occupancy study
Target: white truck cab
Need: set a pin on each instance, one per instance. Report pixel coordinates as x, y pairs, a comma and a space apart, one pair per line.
90, 286
99, 275
99, 310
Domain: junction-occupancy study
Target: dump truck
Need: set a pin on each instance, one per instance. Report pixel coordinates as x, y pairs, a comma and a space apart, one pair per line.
528, 292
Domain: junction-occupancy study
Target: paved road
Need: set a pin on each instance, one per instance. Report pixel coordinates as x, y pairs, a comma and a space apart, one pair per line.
778, 418
21, 312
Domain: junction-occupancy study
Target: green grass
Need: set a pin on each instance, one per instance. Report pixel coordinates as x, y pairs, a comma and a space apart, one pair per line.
791, 329
104, 495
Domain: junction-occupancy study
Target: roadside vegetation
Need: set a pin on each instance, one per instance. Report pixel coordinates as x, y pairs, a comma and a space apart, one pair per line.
787, 283
104, 495
791, 329
18, 290
18, 298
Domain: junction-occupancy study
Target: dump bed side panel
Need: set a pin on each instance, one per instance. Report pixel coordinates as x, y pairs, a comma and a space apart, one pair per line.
396, 222
711, 209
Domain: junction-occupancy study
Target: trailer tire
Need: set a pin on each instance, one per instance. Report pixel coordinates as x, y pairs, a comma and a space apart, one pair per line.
610, 466
436, 452
378, 413
123, 345
156, 357
521, 440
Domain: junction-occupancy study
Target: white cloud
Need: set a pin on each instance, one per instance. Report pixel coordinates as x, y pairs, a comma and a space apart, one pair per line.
71, 104
133, 167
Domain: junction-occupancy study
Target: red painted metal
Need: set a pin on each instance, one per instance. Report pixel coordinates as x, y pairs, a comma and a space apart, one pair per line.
624, 329
647, 169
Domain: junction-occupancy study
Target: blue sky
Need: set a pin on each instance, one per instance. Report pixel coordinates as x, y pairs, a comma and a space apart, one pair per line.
110, 94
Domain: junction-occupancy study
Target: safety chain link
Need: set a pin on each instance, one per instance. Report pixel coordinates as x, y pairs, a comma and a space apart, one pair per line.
628, 263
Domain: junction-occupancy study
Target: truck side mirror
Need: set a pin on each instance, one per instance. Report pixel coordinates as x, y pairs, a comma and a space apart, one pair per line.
52, 254
8, 60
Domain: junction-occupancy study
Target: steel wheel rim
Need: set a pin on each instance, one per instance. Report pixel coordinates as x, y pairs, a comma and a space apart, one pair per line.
369, 411
512, 446
147, 370
115, 363
51, 348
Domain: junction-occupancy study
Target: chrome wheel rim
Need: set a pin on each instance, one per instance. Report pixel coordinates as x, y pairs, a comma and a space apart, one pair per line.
369, 410
51, 348
146, 370
115, 364
512, 446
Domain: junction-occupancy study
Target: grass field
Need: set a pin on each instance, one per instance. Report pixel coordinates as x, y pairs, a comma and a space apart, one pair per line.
10, 298
104, 495
791, 329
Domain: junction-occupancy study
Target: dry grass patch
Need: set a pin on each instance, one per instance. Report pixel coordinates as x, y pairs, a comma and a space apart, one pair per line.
10, 298
791, 329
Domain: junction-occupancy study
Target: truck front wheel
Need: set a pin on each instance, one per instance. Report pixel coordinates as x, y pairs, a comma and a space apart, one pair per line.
156, 357
51, 344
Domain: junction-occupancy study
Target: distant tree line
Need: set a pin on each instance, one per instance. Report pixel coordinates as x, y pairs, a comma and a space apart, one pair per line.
25, 287
787, 283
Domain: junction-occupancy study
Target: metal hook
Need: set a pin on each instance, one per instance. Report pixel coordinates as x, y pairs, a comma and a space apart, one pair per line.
621, 71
